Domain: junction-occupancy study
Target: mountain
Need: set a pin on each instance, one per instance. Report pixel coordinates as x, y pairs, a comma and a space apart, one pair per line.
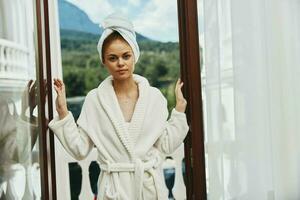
71, 18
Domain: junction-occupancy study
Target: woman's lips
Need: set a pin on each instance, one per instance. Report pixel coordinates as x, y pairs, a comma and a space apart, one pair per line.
122, 70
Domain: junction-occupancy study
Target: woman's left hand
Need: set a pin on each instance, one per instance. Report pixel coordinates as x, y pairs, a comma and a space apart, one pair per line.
180, 100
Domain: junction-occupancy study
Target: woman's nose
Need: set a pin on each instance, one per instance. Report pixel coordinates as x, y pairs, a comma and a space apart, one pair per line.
120, 62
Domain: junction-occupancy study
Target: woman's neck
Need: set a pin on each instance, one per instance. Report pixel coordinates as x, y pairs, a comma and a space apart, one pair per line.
125, 86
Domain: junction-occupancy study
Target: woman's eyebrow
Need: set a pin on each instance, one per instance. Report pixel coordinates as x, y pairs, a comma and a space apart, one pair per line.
111, 54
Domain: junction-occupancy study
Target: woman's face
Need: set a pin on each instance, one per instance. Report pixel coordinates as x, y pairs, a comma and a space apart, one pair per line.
119, 59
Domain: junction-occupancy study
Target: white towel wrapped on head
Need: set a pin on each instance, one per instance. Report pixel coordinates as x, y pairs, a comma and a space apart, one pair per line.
120, 23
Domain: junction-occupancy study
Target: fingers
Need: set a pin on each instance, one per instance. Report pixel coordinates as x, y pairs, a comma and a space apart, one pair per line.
61, 83
56, 89
33, 87
58, 86
58, 82
178, 81
178, 91
180, 100
181, 84
55, 81
29, 83
178, 86
29, 86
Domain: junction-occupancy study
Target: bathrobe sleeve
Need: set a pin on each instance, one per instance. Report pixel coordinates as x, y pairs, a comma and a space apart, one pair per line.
175, 130
74, 139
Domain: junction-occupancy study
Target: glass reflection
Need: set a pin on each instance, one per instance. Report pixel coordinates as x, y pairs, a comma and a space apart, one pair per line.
18, 135
19, 151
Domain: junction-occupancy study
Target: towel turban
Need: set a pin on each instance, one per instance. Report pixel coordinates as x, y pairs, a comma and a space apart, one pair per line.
120, 23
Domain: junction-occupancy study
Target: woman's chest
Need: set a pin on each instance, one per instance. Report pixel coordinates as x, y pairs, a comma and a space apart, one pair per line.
127, 107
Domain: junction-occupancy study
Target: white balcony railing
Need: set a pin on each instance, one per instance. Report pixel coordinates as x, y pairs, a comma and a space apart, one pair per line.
23, 183
14, 60
178, 189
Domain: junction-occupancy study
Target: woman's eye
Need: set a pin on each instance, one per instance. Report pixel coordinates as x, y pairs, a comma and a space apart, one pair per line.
112, 59
127, 56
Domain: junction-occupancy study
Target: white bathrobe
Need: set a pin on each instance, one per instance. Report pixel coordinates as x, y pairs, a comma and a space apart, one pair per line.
129, 158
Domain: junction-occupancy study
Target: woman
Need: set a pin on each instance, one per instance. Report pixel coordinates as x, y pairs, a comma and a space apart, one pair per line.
125, 118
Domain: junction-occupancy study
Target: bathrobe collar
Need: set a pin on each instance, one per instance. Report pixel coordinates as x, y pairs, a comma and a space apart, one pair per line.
109, 101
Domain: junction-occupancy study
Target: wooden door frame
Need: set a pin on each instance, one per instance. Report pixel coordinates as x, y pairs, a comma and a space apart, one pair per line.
46, 139
191, 76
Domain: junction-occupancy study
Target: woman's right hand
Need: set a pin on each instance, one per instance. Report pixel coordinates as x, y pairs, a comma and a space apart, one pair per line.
61, 101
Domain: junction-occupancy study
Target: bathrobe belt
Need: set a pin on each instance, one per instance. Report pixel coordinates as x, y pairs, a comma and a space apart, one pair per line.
139, 167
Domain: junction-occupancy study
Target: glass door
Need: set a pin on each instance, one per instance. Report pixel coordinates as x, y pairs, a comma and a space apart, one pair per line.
20, 174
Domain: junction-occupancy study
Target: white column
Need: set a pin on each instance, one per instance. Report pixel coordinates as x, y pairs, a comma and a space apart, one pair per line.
2, 19
16, 182
86, 190
179, 189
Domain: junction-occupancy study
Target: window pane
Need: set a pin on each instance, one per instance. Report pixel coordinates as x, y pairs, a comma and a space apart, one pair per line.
19, 129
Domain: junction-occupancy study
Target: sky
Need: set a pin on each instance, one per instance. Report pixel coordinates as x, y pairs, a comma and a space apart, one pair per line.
155, 19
